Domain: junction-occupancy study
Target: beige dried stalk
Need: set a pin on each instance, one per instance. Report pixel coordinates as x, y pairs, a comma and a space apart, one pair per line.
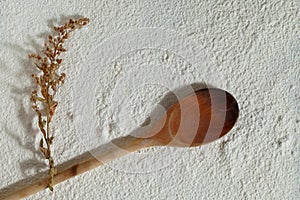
48, 81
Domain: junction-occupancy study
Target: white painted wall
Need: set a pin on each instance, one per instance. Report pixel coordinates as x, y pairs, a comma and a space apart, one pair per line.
141, 50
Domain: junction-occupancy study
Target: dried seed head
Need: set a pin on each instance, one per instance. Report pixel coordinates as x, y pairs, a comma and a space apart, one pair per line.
49, 64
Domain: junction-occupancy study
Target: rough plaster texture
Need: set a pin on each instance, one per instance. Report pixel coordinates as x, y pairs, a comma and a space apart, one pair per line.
249, 48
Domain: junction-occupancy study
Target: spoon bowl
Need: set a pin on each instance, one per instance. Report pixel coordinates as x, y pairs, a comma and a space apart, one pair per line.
199, 118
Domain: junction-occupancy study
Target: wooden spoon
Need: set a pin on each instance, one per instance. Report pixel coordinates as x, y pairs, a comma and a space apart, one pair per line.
199, 118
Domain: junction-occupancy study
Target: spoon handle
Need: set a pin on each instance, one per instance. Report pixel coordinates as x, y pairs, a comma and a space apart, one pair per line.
94, 158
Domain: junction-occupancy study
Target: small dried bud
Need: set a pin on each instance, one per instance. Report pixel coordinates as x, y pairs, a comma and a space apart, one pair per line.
59, 61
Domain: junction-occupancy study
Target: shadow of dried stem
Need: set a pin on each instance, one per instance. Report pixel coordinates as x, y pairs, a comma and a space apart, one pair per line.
51, 23
25, 116
36, 163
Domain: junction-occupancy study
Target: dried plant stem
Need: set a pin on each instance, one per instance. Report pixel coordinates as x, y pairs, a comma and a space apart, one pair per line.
48, 82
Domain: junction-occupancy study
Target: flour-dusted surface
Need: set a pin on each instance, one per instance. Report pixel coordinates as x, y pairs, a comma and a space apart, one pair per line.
250, 49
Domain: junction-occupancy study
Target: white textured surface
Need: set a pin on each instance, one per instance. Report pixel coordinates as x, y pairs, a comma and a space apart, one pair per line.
250, 49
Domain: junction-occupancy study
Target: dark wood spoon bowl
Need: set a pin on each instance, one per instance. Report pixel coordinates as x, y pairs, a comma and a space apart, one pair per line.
199, 118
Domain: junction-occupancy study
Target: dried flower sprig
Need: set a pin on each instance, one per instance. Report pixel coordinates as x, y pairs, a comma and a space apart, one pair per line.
48, 82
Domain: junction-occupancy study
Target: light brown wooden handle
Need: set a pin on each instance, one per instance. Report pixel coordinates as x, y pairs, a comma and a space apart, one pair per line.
105, 153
